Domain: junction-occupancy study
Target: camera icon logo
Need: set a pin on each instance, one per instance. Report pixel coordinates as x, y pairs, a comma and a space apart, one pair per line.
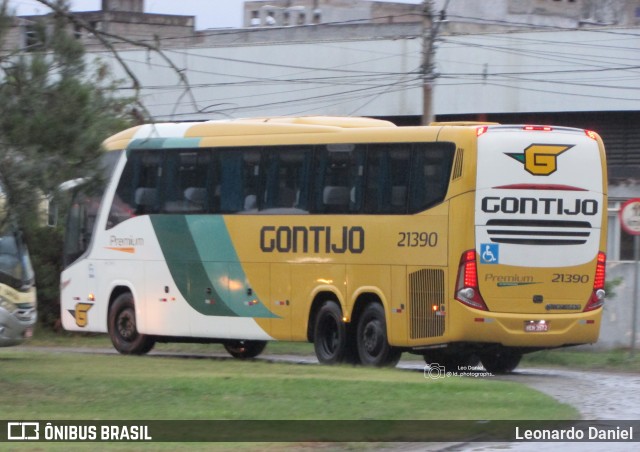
434, 371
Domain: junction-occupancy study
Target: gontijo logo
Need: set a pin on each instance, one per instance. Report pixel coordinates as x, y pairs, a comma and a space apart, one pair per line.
541, 159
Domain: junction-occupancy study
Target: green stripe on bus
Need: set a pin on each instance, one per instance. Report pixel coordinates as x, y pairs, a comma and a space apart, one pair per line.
205, 267
166, 143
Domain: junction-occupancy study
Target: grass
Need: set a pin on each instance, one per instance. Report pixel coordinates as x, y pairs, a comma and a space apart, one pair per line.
60, 385
580, 358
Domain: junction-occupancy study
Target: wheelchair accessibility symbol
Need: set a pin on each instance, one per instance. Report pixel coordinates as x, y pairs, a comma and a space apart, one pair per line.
489, 253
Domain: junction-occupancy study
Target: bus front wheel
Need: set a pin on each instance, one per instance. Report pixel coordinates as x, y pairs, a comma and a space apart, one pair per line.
371, 338
122, 328
245, 349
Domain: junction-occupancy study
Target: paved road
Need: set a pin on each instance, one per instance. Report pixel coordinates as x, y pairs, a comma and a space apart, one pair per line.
596, 395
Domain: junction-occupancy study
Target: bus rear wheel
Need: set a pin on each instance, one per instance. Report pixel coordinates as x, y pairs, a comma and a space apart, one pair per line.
122, 328
330, 334
371, 337
501, 362
245, 349
452, 361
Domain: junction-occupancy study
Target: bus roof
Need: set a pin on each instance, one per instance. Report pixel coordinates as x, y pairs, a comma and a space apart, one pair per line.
290, 130
242, 127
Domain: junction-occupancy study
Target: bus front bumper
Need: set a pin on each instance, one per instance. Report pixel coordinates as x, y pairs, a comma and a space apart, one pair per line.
17, 326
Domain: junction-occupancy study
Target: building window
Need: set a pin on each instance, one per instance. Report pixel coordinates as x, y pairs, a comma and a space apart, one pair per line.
270, 19
255, 19
77, 31
34, 36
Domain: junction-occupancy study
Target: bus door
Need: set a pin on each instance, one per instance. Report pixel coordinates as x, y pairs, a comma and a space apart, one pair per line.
539, 213
80, 282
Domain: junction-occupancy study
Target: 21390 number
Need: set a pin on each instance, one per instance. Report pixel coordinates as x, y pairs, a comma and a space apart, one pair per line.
417, 239
569, 278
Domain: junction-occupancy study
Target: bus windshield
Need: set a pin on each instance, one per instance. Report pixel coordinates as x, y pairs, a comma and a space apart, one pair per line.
18, 312
85, 202
15, 266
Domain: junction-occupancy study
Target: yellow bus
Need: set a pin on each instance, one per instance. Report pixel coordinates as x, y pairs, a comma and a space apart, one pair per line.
453, 241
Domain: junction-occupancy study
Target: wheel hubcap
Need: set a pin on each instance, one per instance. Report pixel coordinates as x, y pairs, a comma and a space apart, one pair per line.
372, 338
126, 325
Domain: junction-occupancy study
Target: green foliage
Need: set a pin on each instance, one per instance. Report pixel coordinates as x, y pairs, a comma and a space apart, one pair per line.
46, 244
610, 285
57, 105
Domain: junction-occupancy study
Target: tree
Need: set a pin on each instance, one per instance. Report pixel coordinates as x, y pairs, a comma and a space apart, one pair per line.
55, 110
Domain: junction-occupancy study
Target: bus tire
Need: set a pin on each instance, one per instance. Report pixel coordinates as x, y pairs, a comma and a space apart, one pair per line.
501, 362
245, 349
122, 327
453, 362
371, 337
330, 334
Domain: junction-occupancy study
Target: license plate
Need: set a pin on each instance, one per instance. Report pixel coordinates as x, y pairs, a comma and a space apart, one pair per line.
536, 326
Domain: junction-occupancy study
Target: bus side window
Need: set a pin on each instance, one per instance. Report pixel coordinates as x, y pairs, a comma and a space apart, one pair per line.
287, 178
185, 180
240, 180
231, 192
387, 178
138, 190
339, 176
430, 173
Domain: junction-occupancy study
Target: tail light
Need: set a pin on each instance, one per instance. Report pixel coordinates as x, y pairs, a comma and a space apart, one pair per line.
481, 130
467, 291
591, 134
597, 296
538, 128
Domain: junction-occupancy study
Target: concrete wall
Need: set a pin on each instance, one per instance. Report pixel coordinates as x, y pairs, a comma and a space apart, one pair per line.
582, 70
617, 316
488, 73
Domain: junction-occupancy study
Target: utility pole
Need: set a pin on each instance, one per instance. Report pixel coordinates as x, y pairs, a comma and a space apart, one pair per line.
427, 61
430, 28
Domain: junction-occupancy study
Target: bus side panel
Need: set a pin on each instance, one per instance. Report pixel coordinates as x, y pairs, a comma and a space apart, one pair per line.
166, 312
78, 311
365, 282
280, 302
398, 319
311, 280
